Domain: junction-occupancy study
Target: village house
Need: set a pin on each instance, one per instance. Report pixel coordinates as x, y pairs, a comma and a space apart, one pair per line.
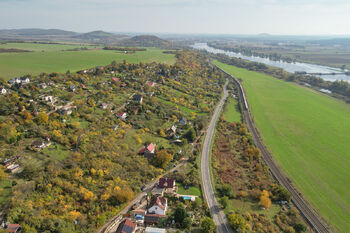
168, 185
104, 106
171, 131
148, 151
48, 98
137, 98
139, 215
72, 88
126, 226
40, 144
67, 109
13, 228
151, 84
3, 91
122, 115
116, 80
158, 205
183, 121
42, 85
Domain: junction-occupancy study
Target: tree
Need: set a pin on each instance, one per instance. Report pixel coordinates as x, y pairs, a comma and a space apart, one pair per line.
207, 225
180, 214
300, 227
191, 135
224, 201
265, 199
226, 190
42, 118
237, 222
162, 159
187, 222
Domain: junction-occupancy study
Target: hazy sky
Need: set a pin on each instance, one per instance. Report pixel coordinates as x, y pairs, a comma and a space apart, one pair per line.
181, 16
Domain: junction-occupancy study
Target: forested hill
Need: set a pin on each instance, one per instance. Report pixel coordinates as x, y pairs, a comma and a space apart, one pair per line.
70, 143
146, 41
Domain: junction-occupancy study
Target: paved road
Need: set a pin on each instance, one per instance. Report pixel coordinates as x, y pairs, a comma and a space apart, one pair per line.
111, 225
304, 207
219, 216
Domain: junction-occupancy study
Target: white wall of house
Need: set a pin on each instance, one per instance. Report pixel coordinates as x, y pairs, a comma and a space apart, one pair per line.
157, 210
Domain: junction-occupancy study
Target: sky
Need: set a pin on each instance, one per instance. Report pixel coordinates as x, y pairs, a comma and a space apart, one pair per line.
279, 17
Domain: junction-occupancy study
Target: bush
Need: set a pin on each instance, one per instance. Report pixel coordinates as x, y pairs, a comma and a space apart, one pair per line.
225, 190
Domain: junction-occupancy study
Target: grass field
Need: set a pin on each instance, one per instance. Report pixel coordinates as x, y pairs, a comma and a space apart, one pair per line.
190, 191
52, 59
231, 111
308, 134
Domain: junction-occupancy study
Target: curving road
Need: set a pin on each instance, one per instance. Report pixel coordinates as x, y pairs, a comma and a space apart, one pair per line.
218, 215
304, 207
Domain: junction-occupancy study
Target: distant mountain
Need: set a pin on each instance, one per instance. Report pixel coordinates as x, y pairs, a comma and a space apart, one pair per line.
31, 32
145, 41
95, 35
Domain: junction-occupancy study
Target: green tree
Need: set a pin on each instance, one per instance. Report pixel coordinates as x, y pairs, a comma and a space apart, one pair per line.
42, 118
180, 214
207, 225
224, 202
226, 190
300, 227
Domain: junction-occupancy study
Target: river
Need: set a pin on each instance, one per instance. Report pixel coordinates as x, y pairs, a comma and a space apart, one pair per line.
289, 67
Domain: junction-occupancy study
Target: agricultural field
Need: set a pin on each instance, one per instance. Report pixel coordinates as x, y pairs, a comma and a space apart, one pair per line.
307, 133
52, 58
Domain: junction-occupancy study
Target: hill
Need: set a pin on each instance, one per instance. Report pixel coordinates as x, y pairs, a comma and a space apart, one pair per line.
34, 32
99, 35
145, 41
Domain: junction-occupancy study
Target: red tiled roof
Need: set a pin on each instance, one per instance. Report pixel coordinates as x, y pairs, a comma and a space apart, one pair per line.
158, 201
166, 183
120, 114
151, 147
116, 79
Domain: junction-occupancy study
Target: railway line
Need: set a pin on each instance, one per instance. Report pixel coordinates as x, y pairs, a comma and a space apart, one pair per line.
301, 204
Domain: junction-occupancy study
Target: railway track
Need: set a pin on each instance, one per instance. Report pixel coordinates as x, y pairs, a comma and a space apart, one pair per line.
301, 204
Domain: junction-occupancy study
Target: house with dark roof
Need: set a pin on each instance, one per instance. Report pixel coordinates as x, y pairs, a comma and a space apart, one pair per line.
126, 226
137, 98
40, 144
158, 205
168, 185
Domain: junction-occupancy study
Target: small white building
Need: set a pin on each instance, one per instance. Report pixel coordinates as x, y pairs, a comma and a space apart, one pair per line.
3, 91
122, 115
154, 230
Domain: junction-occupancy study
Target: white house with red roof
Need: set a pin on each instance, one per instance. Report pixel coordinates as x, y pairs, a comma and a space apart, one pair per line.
158, 205
148, 151
122, 115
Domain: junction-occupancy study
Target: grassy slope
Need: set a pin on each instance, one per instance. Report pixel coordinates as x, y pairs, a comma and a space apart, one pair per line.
14, 64
308, 134
231, 111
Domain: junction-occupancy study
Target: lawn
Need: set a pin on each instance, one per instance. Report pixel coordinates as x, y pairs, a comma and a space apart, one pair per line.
231, 111
56, 151
190, 191
16, 64
308, 134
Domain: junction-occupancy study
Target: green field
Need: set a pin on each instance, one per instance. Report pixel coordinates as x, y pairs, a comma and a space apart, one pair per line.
308, 134
53, 59
231, 111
